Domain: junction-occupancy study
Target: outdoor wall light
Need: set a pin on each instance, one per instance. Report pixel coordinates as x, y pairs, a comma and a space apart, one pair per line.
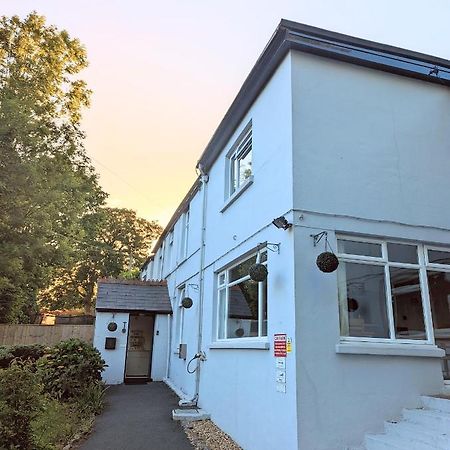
124, 329
281, 222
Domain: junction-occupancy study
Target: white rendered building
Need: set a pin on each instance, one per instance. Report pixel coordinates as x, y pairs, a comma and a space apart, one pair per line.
349, 141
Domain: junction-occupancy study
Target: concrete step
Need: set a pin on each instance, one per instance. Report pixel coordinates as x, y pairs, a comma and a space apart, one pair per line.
423, 435
192, 414
436, 403
387, 442
434, 420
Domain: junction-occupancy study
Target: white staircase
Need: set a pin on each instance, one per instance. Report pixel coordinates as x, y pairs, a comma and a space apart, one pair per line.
427, 428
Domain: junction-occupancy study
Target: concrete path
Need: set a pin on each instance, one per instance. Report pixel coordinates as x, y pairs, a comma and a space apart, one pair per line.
138, 417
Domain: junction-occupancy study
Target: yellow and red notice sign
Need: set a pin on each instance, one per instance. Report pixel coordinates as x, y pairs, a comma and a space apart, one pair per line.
279, 345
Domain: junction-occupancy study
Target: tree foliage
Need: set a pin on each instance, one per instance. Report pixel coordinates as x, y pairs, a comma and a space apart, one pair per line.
116, 243
47, 184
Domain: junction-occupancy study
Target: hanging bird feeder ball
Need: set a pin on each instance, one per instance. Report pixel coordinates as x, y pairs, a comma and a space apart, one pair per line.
327, 262
258, 272
187, 302
112, 326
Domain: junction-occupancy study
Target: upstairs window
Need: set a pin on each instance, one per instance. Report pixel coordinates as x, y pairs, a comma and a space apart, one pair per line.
184, 241
240, 161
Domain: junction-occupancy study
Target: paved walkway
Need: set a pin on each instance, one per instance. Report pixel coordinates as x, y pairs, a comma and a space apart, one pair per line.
138, 417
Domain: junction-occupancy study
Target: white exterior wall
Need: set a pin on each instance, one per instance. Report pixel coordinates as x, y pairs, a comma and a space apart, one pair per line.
371, 157
238, 385
115, 359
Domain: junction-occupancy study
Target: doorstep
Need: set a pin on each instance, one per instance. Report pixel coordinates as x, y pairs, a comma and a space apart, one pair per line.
191, 414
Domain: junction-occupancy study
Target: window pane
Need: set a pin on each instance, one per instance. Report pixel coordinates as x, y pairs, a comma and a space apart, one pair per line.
264, 310
438, 257
359, 248
241, 270
245, 167
222, 313
439, 287
362, 297
402, 253
243, 310
407, 304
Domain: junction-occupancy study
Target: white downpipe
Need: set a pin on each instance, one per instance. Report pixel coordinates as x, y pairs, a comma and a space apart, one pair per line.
204, 180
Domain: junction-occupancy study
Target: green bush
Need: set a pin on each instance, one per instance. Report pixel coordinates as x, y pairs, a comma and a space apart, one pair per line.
92, 399
69, 368
25, 353
53, 425
20, 402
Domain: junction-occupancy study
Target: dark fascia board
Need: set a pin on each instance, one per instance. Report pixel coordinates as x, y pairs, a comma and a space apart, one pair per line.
132, 311
182, 207
305, 38
296, 36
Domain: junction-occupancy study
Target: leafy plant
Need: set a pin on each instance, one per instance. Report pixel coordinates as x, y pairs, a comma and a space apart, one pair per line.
54, 424
92, 398
20, 402
25, 353
69, 368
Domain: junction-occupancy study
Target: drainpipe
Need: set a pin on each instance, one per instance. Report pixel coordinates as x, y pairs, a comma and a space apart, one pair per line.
200, 354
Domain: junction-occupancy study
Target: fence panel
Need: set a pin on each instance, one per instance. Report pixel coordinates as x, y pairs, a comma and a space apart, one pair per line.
44, 334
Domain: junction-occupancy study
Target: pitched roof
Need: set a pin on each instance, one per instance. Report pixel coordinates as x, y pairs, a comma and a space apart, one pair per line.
133, 296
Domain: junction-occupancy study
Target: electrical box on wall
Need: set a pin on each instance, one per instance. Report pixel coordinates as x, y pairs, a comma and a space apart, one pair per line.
182, 351
110, 343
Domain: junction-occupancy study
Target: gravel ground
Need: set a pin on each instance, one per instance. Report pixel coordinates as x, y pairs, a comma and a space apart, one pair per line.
204, 435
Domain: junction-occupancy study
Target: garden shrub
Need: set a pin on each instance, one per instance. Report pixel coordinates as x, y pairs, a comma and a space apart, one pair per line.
92, 399
26, 353
20, 402
69, 367
54, 425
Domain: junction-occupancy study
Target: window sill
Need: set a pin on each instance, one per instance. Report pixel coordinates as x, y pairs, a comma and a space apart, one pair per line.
249, 345
237, 194
368, 348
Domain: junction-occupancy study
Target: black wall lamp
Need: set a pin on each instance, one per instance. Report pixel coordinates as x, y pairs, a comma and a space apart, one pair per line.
281, 222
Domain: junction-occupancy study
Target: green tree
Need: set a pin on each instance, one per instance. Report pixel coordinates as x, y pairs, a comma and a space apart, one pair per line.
47, 184
115, 244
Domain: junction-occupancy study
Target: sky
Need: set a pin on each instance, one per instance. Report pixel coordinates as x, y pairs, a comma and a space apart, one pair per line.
163, 74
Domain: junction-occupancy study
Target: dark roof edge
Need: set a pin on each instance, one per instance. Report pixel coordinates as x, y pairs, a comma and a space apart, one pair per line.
127, 310
297, 36
182, 207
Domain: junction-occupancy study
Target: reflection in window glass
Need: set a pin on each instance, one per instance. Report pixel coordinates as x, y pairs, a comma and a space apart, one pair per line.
438, 257
243, 310
359, 248
407, 303
362, 297
402, 253
241, 270
439, 288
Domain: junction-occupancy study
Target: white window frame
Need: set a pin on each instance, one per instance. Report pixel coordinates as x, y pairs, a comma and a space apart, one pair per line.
225, 286
184, 241
179, 321
421, 266
237, 152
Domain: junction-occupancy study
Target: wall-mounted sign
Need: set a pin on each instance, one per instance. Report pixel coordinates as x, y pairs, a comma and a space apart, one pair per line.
279, 345
289, 345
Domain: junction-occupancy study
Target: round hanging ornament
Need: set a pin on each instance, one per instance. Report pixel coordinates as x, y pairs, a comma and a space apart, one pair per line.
327, 262
187, 302
258, 272
112, 326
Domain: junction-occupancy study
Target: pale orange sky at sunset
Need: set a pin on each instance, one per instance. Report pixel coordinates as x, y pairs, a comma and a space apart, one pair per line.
164, 73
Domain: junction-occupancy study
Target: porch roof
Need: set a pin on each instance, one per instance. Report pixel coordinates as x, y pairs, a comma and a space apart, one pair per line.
133, 296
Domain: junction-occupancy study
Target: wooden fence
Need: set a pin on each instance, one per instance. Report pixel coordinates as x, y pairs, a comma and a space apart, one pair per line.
44, 334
